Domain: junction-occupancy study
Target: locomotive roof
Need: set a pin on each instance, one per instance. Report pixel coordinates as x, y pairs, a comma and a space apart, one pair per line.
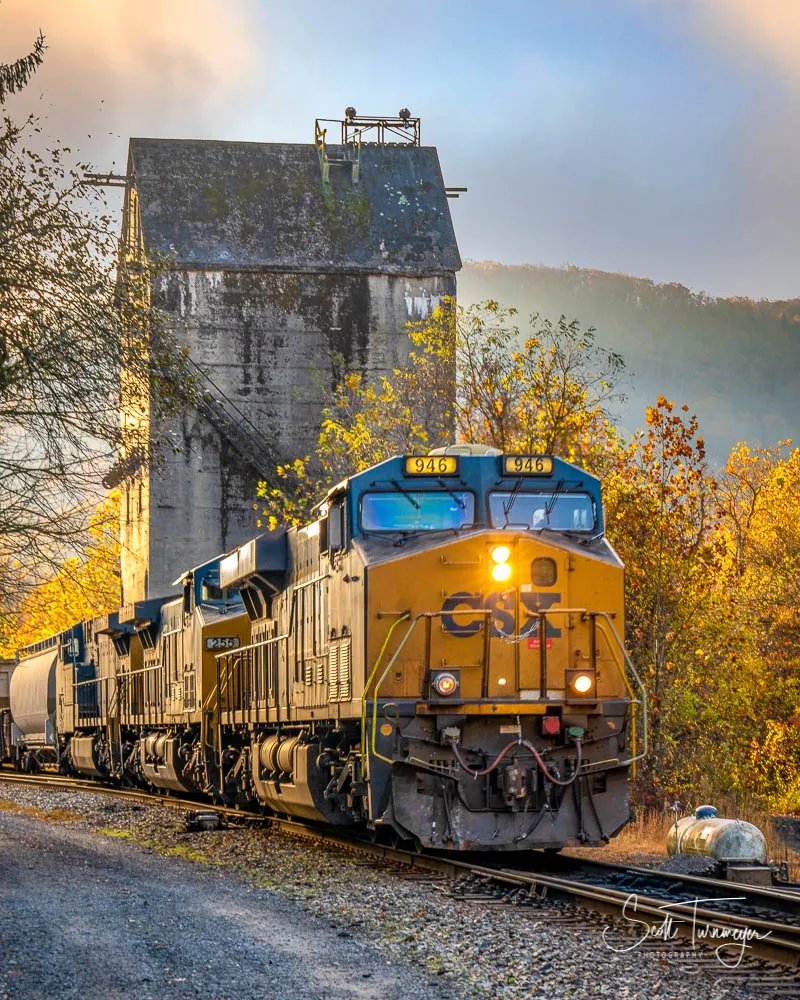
209, 564
475, 467
240, 205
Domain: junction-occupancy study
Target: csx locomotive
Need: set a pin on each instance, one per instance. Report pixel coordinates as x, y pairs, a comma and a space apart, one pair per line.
437, 657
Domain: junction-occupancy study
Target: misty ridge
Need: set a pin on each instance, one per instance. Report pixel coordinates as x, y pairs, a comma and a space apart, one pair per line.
735, 362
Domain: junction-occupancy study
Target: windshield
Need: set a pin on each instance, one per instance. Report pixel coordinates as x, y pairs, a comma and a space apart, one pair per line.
416, 511
558, 511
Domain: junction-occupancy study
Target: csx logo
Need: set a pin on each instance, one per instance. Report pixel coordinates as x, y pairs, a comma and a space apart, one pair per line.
502, 607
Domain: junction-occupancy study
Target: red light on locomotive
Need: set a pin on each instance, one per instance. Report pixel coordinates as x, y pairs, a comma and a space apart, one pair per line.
551, 725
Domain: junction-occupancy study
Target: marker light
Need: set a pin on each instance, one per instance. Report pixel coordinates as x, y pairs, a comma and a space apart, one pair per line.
551, 725
501, 553
582, 683
501, 572
444, 684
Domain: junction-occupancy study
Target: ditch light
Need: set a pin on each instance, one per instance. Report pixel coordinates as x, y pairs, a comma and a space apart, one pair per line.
581, 684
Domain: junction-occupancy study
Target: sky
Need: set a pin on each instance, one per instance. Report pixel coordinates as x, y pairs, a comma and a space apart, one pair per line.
659, 138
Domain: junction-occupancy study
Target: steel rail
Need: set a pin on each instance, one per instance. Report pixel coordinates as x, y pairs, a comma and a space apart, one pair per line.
780, 897
62, 783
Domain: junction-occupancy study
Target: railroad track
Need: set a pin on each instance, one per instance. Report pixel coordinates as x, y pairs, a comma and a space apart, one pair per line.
58, 782
770, 902
758, 929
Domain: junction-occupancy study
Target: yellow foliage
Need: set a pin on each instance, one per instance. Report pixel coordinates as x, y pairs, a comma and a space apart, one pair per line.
80, 590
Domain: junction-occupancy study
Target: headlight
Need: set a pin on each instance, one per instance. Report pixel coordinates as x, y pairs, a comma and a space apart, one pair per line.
580, 683
501, 553
445, 684
501, 572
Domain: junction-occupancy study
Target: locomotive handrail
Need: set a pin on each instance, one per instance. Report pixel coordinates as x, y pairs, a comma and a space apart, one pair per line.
93, 718
404, 616
224, 672
428, 616
642, 700
252, 645
627, 662
643, 692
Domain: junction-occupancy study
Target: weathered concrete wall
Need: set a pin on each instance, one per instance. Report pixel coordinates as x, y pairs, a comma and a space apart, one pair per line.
135, 538
266, 340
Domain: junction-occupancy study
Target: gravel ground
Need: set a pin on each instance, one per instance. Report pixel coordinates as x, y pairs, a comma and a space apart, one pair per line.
204, 915
691, 864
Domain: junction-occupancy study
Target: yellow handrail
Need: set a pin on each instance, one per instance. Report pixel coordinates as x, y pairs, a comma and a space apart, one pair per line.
642, 690
423, 614
404, 617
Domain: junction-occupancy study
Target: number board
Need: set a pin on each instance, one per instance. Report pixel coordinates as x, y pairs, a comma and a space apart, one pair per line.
430, 465
527, 465
219, 642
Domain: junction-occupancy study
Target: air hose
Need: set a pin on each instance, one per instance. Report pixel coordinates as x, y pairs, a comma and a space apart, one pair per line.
511, 746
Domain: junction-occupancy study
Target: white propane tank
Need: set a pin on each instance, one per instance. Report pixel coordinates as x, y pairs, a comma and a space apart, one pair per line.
722, 839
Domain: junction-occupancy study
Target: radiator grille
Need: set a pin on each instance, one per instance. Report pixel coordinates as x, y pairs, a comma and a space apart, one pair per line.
340, 674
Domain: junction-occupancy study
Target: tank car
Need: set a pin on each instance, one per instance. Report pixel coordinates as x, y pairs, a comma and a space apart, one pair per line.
32, 702
438, 655
707, 834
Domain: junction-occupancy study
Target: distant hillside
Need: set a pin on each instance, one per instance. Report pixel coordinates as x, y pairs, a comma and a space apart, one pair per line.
734, 361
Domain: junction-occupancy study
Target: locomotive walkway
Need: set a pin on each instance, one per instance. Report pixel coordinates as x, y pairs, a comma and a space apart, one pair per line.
98, 919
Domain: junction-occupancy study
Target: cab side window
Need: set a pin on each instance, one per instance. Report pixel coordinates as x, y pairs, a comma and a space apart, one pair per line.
337, 533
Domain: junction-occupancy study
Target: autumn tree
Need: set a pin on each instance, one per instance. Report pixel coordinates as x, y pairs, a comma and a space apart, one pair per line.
72, 314
472, 376
738, 667
658, 498
14, 76
761, 519
83, 586
547, 391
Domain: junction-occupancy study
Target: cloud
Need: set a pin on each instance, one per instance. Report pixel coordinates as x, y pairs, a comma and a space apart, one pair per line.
128, 67
769, 29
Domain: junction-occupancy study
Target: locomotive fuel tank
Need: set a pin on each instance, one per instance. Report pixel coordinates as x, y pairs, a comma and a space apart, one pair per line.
722, 839
32, 694
162, 763
83, 752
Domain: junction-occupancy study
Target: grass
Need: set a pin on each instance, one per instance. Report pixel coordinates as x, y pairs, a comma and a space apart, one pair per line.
108, 831
187, 854
179, 851
48, 816
647, 834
